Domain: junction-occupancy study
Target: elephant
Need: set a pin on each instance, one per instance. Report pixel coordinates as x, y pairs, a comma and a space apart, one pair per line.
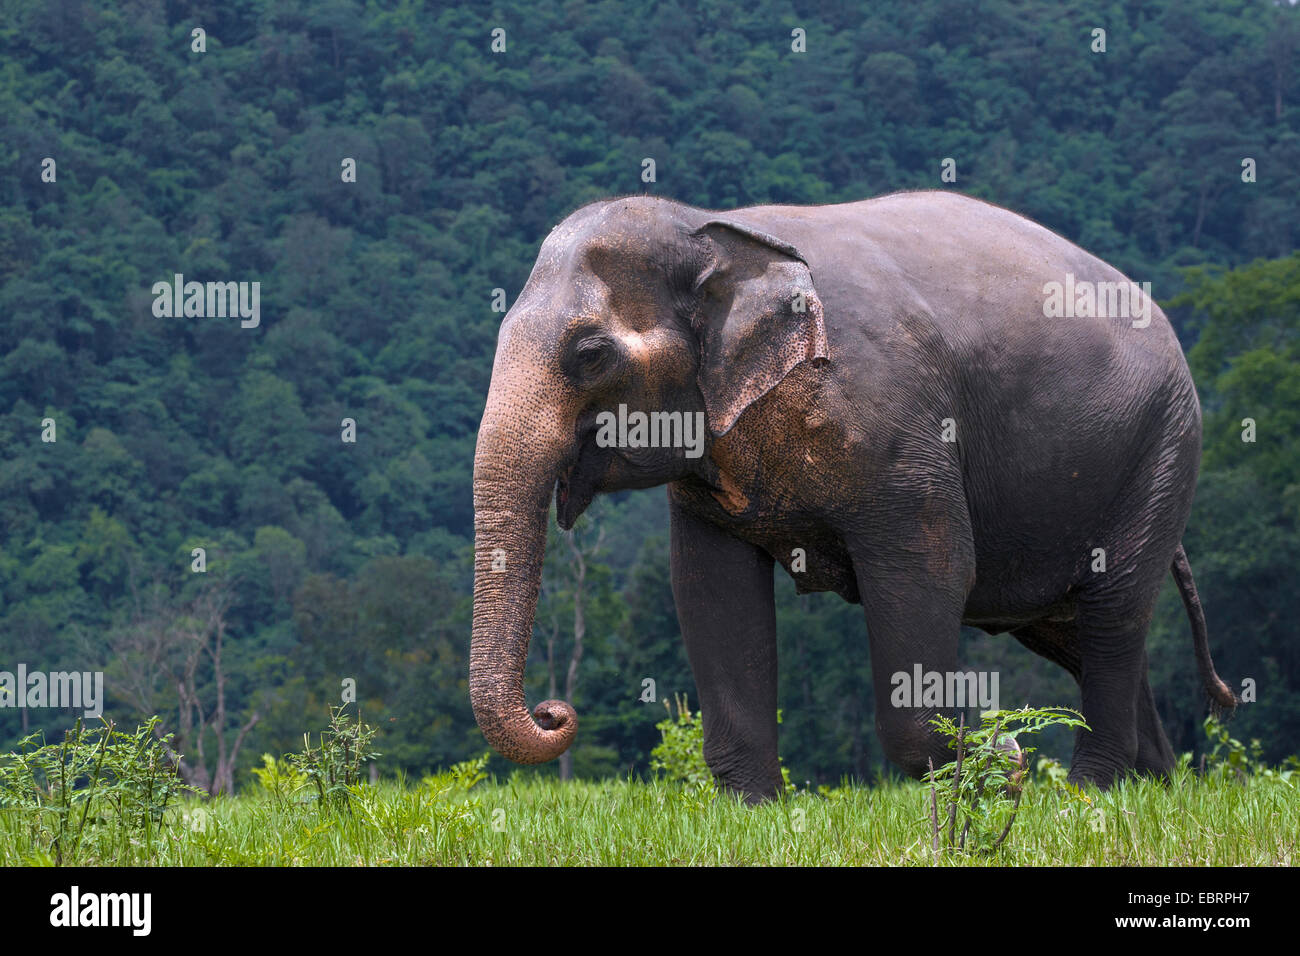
894, 407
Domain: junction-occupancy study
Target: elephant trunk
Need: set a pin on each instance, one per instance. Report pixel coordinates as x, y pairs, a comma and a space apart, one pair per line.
515, 468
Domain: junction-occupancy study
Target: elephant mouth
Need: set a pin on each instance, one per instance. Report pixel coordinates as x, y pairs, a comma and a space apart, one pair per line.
575, 488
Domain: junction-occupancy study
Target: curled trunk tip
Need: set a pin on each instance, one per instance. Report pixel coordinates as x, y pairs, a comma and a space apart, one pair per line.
529, 740
556, 715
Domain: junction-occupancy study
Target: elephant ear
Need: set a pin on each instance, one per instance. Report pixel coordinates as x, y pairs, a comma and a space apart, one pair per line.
758, 316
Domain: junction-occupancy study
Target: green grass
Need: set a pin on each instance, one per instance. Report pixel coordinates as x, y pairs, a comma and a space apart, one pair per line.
1194, 821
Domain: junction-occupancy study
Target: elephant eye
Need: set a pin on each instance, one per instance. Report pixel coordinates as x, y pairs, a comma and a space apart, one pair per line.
593, 356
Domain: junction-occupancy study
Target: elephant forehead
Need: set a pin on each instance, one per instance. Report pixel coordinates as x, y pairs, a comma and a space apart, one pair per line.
609, 262
604, 289
633, 234
552, 304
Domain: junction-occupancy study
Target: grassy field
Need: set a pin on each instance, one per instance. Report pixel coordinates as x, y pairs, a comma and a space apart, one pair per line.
1194, 821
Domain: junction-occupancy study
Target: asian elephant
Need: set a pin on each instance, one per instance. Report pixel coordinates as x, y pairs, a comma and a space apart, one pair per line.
908, 401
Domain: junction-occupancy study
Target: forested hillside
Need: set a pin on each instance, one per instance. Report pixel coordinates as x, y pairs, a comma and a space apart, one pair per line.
132, 438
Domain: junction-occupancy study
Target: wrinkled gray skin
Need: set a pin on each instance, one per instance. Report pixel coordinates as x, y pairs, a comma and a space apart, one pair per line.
824, 433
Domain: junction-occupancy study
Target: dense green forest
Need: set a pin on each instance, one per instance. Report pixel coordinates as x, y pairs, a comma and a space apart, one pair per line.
221, 156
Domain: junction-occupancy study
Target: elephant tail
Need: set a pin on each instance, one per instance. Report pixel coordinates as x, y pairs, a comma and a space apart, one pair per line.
1221, 696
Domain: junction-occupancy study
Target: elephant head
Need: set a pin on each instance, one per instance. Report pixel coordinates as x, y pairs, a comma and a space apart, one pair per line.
634, 305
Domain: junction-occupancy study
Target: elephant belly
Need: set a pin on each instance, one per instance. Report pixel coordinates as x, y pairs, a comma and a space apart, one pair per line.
1009, 620
821, 567
1013, 590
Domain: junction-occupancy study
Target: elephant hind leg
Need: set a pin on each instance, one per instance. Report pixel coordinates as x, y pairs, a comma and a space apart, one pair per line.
1059, 642
1154, 756
1125, 732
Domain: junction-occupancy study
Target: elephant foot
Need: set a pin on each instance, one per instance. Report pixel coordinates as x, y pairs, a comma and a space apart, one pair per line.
753, 794
1101, 781
1101, 774
751, 784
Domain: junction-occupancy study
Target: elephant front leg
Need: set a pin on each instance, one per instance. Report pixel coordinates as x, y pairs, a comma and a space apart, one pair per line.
914, 581
724, 594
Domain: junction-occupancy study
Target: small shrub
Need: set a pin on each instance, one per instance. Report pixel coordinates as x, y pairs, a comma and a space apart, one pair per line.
680, 754
335, 767
984, 783
279, 780
460, 778
1050, 772
1231, 758
97, 781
